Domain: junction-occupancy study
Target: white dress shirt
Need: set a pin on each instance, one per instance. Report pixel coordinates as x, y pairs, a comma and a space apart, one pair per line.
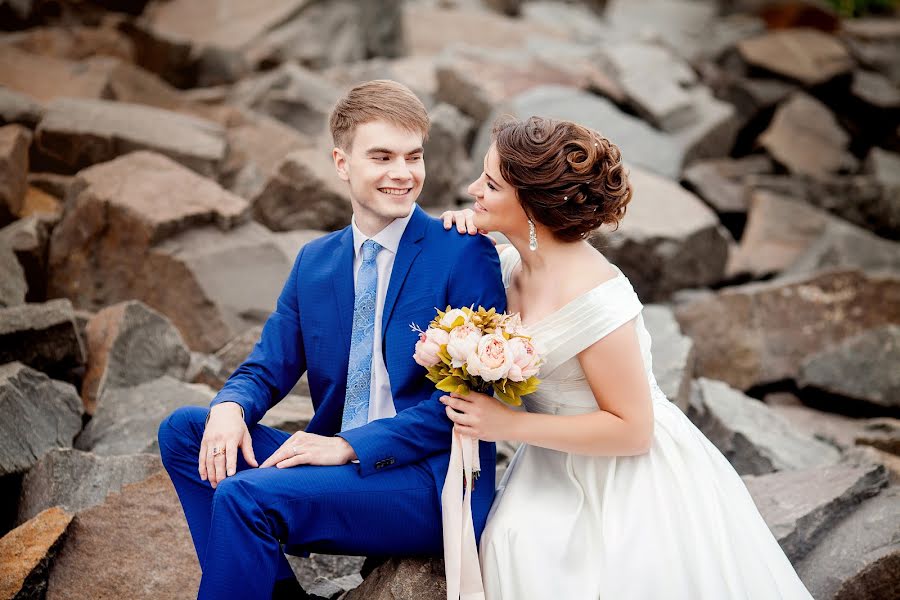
381, 401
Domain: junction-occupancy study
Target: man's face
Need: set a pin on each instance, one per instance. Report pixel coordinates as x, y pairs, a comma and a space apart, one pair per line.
385, 168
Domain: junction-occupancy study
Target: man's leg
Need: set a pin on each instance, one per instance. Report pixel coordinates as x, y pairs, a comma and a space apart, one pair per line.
179, 438
330, 510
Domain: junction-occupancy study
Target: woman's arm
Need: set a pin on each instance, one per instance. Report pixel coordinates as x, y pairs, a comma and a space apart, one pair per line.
623, 425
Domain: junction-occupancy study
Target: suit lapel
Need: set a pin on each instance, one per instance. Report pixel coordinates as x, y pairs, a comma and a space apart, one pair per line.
410, 246
343, 288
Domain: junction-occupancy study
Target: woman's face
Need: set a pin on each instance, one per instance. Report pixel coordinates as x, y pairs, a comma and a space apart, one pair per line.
496, 206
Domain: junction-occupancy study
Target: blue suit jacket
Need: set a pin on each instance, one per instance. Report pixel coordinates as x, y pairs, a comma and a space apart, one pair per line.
310, 331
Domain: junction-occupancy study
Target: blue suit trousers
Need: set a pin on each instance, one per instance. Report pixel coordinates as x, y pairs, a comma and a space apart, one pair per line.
247, 518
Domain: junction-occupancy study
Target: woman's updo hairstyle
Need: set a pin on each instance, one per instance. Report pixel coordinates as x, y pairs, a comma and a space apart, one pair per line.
567, 177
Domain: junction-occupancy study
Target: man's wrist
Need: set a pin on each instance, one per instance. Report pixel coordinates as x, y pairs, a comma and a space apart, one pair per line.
208, 414
351, 453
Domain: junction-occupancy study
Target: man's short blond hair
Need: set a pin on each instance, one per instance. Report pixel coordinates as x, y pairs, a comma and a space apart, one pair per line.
377, 100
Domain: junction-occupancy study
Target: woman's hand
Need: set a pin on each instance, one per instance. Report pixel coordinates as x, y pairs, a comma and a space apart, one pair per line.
464, 219
481, 416
310, 449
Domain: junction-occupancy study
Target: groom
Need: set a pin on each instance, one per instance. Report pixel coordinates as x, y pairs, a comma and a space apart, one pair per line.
365, 477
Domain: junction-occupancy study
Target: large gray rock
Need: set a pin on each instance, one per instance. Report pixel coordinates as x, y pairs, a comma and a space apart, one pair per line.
296, 96
720, 181
130, 343
884, 165
14, 143
304, 193
683, 26
43, 336
322, 35
875, 90
404, 579
446, 156
75, 480
806, 138
126, 420
844, 245
13, 285
144, 528
805, 55
58, 78
875, 43
257, 144
801, 507
146, 219
865, 200
24, 243
19, 108
753, 438
759, 333
418, 73
641, 144
79, 133
862, 368
778, 232
860, 556
27, 551
39, 414
673, 354
324, 567
668, 240
292, 413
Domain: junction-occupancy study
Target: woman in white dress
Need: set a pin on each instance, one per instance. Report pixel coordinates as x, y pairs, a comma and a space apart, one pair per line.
613, 494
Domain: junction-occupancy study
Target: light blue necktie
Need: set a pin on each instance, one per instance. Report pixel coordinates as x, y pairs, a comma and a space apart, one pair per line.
359, 369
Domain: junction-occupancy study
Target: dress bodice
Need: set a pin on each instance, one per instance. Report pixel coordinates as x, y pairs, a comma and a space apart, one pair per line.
563, 334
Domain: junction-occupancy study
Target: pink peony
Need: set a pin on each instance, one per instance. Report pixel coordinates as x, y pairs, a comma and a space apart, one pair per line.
526, 362
463, 342
429, 345
492, 359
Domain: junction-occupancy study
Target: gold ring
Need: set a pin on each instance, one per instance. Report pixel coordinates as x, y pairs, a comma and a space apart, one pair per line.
217, 451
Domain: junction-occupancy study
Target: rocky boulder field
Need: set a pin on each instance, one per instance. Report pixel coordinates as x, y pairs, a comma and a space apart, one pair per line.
162, 163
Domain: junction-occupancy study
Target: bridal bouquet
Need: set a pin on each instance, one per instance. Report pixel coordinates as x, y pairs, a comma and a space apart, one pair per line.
465, 350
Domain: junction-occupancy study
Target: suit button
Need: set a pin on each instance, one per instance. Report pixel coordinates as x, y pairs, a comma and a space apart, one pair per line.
390, 461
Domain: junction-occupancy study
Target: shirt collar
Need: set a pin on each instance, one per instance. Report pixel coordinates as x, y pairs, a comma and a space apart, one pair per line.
388, 238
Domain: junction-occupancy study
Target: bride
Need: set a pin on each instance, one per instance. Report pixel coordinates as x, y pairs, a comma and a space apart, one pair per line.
613, 493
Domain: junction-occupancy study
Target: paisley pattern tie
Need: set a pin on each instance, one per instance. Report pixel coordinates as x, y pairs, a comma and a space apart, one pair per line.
359, 369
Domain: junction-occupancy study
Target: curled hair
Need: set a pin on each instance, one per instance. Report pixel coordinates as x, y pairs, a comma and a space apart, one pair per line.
567, 177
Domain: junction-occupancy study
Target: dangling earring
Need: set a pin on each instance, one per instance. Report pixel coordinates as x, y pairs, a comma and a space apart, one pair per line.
532, 236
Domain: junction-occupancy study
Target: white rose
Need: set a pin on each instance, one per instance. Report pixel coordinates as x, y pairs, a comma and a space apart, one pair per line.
450, 317
463, 342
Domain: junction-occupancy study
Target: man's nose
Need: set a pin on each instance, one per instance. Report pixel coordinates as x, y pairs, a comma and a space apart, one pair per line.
399, 171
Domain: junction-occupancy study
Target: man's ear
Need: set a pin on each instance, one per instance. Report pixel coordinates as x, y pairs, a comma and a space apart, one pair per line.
340, 163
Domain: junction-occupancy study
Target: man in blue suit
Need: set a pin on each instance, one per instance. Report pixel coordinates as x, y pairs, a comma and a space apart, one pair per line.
365, 477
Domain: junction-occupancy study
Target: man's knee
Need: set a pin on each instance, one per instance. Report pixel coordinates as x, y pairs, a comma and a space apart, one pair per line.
180, 428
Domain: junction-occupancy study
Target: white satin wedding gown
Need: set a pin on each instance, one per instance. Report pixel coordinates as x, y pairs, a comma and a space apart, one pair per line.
676, 523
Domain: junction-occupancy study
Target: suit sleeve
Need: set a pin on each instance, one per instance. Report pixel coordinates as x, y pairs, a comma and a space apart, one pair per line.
276, 362
424, 429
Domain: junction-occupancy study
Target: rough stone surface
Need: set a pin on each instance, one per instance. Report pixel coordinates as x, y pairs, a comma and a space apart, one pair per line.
25, 554
76, 480
673, 354
683, 26
404, 579
753, 438
305, 193
720, 181
761, 333
862, 368
292, 413
805, 137
256, 146
39, 414
805, 55
13, 285
296, 96
43, 336
801, 507
19, 108
14, 143
130, 343
58, 77
875, 90
669, 239
778, 232
861, 199
28, 239
860, 557
447, 145
844, 245
127, 419
327, 567
418, 73
79, 133
143, 527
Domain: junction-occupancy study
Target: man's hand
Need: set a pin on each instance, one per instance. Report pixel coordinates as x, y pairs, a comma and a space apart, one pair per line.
310, 449
224, 429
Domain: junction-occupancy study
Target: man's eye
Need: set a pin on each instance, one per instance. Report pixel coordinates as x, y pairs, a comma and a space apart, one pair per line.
415, 158
381, 158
